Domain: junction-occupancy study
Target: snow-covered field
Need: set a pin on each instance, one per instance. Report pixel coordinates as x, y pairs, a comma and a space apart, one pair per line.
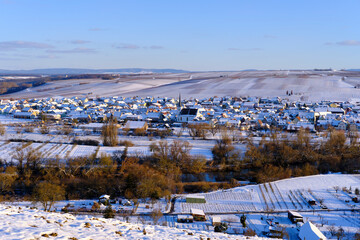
59, 146
25, 223
5, 119
306, 85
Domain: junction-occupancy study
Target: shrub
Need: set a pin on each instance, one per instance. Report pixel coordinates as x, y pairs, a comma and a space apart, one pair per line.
2, 130
156, 214
95, 206
109, 212
44, 129
250, 232
29, 129
66, 130
140, 132
90, 142
126, 143
222, 227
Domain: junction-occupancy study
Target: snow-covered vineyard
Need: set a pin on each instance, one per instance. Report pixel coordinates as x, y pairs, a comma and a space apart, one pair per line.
49, 150
63, 151
334, 191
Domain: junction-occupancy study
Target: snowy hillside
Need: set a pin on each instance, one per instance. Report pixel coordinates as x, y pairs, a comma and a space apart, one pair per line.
307, 85
293, 193
25, 223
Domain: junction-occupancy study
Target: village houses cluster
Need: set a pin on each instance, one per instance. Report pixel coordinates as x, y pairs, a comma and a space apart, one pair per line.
242, 112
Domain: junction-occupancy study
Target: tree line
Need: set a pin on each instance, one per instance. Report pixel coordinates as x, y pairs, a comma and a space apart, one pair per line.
274, 159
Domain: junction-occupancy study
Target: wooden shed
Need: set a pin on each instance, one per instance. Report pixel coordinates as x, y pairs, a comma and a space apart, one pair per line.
295, 217
198, 214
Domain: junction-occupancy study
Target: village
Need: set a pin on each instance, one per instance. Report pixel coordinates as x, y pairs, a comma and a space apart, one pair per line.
247, 113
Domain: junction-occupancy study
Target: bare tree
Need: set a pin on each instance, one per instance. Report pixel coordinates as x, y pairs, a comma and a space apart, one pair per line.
47, 194
198, 130
2, 130
109, 133
7, 179
156, 214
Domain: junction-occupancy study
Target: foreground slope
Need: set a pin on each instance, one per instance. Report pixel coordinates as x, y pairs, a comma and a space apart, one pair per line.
25, 223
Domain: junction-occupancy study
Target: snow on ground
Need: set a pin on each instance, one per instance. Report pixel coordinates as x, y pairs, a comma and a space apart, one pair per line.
25, 223
229, 205
5, 119
59, 146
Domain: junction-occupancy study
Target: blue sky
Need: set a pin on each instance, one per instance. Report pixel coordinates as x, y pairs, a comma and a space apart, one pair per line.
186, 34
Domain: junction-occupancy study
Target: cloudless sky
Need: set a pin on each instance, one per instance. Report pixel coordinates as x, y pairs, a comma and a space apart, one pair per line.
182, 34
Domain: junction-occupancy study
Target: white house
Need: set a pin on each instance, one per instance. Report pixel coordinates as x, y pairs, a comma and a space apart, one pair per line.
188, 114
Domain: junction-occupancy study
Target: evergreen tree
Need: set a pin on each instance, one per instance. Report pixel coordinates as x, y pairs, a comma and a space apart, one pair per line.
109, 213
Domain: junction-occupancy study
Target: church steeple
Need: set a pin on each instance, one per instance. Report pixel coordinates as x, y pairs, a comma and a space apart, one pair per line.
179, 104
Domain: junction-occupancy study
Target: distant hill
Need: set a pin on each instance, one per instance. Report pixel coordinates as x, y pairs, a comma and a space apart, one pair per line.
52, 71
353, 70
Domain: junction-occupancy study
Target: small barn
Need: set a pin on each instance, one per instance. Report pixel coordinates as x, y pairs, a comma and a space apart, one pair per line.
216, 220
310, 232
198, 214
295, 217
195, 199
